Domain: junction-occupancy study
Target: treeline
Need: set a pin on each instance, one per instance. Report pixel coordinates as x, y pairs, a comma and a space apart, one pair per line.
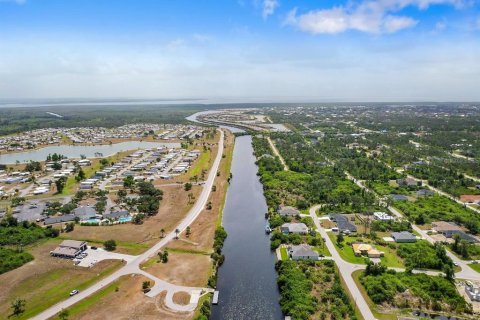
14, 120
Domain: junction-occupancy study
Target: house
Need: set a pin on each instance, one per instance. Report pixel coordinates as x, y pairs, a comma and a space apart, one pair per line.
365, 249
343, 225
398, 197
69, 249
299, 228
450, 234
382, 216
442, 226
473, 292
59, 219
470, 198
288, 211
425, 193
409, 182
302, 251
404, 237
84, 212
116, 215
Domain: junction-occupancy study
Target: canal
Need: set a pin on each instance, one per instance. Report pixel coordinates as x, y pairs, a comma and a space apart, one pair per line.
247, 279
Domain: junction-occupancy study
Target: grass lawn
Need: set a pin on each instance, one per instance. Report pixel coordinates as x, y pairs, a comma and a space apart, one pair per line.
390, 258
475, 266
323, 250
51, 295
284, 253
122, 247
200, 164
87, 302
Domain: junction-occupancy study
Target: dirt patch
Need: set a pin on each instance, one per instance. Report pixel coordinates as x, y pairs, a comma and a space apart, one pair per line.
182, 298
128, 303
202, 230
173, 208
185, 269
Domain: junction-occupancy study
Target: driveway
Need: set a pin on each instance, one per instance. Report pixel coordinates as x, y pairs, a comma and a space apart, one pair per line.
94, 256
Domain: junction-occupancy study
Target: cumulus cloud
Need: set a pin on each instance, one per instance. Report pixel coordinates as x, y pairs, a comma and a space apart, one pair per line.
269, 7
368, 16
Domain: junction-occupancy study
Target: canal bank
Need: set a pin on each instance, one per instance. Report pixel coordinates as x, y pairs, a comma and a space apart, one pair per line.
247, 279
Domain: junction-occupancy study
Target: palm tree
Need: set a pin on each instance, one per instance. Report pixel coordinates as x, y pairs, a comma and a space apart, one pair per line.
176, 233
162, 233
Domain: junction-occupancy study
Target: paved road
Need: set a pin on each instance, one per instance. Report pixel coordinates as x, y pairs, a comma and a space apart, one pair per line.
344, 268
133, 267
275, 150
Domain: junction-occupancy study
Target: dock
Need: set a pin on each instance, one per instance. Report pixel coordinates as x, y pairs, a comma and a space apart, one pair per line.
215, 297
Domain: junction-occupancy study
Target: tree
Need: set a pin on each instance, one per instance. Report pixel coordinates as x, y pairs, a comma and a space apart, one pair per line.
188, 232
110, 245
33, 166
188, 186
17, 201
122, 193
60, 184
138, 218
164, 256
69, 227
64, 314
81, 175
104, 162
340, 239
56, 166
449, 273
176, 233
100, 206
162, 233
146, 286
18, 307
128, 182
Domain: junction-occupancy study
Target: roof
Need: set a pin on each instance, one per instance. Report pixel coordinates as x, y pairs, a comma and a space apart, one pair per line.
461, 234
469, 197
398, 197
441, 226
116, 214
295, 227
59, 219
72, 244
425, 192
342, 223
64, 251
404, 235
288, 211
302, 250
84, 212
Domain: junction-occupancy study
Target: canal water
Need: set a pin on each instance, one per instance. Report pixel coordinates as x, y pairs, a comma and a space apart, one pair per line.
247, 279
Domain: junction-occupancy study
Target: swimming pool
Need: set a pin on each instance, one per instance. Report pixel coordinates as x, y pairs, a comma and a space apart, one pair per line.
125, 219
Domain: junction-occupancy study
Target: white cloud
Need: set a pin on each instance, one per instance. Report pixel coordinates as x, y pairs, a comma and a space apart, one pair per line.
269, 7
395, 23
367, 16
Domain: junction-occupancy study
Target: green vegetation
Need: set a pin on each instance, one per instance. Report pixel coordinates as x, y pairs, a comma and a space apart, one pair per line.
310, 287
424, 292
422, 255
11, 259
429, 209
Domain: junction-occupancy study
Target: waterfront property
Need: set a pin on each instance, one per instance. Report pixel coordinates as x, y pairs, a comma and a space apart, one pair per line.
301, 252
299, 228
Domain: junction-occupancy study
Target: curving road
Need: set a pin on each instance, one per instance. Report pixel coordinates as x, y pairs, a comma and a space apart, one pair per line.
133, 267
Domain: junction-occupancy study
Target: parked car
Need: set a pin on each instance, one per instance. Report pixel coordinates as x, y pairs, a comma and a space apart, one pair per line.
74, 292
93, 248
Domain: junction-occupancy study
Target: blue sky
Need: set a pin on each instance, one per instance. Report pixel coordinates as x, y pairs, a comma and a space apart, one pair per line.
265, 50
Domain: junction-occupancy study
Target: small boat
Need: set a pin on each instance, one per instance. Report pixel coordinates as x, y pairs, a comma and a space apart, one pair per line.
268, 229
